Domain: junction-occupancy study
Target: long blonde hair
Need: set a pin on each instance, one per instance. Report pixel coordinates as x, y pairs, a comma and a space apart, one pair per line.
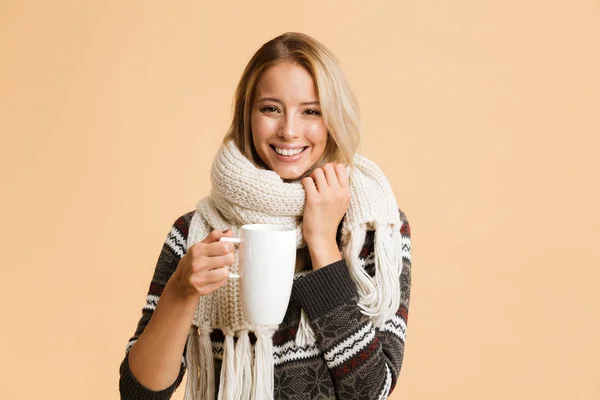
339, 107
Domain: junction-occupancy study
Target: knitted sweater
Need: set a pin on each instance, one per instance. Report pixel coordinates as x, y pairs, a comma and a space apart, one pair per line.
351, 359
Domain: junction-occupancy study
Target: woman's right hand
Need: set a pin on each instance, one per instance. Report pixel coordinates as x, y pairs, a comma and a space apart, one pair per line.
202, 270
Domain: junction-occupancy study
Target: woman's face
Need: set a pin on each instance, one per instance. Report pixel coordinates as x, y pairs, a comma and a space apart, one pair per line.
287, 128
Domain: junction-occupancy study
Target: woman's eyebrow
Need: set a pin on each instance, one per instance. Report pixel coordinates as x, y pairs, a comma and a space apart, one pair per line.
275, 100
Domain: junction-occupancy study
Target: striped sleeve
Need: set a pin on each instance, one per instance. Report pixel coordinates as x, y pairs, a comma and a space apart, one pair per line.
172, 250
363, 361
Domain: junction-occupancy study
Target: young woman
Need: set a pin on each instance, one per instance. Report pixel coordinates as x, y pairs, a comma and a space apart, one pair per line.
289, 158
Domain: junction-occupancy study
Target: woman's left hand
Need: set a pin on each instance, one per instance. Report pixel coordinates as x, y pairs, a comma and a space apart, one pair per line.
327, 199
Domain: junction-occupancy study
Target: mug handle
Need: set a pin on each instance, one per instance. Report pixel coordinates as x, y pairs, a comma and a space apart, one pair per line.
234, 240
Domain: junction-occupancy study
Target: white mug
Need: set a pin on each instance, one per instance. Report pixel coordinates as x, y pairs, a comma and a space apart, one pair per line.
267, 260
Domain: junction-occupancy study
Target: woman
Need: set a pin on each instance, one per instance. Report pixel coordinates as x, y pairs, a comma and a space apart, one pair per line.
289, 158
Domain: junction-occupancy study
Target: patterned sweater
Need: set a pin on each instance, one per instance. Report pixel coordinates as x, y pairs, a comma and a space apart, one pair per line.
351, 358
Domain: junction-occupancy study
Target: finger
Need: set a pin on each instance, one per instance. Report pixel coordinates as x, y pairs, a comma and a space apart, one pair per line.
208, 263
210, 249
218, 249
342, 175
207, 289
330, 175
216, 275
309, 187
216, 234
320, 181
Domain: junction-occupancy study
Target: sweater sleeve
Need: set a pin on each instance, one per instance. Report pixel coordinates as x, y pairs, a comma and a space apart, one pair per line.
364, 361
173, 249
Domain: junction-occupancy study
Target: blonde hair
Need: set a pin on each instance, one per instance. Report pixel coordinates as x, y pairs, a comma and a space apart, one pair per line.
339, 108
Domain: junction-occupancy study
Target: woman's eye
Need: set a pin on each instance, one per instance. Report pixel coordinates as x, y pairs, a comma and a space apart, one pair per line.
312, 112
269, 109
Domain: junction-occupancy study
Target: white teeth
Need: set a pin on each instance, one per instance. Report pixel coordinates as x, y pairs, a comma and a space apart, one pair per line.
286, 152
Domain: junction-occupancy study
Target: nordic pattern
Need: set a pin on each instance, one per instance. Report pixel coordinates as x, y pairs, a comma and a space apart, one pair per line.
351, 359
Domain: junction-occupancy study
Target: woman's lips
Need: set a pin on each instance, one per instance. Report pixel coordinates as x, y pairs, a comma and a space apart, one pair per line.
288, 159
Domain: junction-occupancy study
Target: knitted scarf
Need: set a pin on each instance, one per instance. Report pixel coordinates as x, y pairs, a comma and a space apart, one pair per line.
244, 194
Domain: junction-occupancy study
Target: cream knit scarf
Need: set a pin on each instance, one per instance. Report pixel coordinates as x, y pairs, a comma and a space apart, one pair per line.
243, 194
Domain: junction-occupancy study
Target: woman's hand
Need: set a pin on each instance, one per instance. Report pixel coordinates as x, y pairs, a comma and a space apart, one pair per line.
327, 199
201, 270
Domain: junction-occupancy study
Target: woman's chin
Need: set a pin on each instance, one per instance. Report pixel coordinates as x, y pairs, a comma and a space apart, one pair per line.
289, 173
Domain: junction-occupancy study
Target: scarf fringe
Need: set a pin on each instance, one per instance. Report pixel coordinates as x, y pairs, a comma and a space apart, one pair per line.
243, 366
367, 292
191, 387
305, 334
263, 382
379, 295
206, 364
227, 382
201, 368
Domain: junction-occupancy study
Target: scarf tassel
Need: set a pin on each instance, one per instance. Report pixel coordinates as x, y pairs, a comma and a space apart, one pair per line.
263, 379
191, 387
305, 335
365, 285
227, 381
243, 366
201, 367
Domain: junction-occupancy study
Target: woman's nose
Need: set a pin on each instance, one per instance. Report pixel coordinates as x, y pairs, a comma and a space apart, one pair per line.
290, 128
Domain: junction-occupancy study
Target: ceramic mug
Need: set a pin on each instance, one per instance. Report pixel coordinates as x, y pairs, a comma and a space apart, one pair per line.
267, 260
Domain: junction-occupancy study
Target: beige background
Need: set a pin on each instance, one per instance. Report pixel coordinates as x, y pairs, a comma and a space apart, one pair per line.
484, 115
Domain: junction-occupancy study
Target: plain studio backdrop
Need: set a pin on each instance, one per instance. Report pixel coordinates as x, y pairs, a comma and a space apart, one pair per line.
485, 115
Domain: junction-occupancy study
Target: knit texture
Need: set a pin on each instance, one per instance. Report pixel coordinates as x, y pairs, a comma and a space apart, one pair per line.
350, 359
244, 194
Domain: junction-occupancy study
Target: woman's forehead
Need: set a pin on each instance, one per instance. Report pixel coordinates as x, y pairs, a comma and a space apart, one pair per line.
287, 86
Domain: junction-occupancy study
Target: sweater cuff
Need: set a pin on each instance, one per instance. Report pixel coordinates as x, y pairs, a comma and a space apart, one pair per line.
324, 289
131, 389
